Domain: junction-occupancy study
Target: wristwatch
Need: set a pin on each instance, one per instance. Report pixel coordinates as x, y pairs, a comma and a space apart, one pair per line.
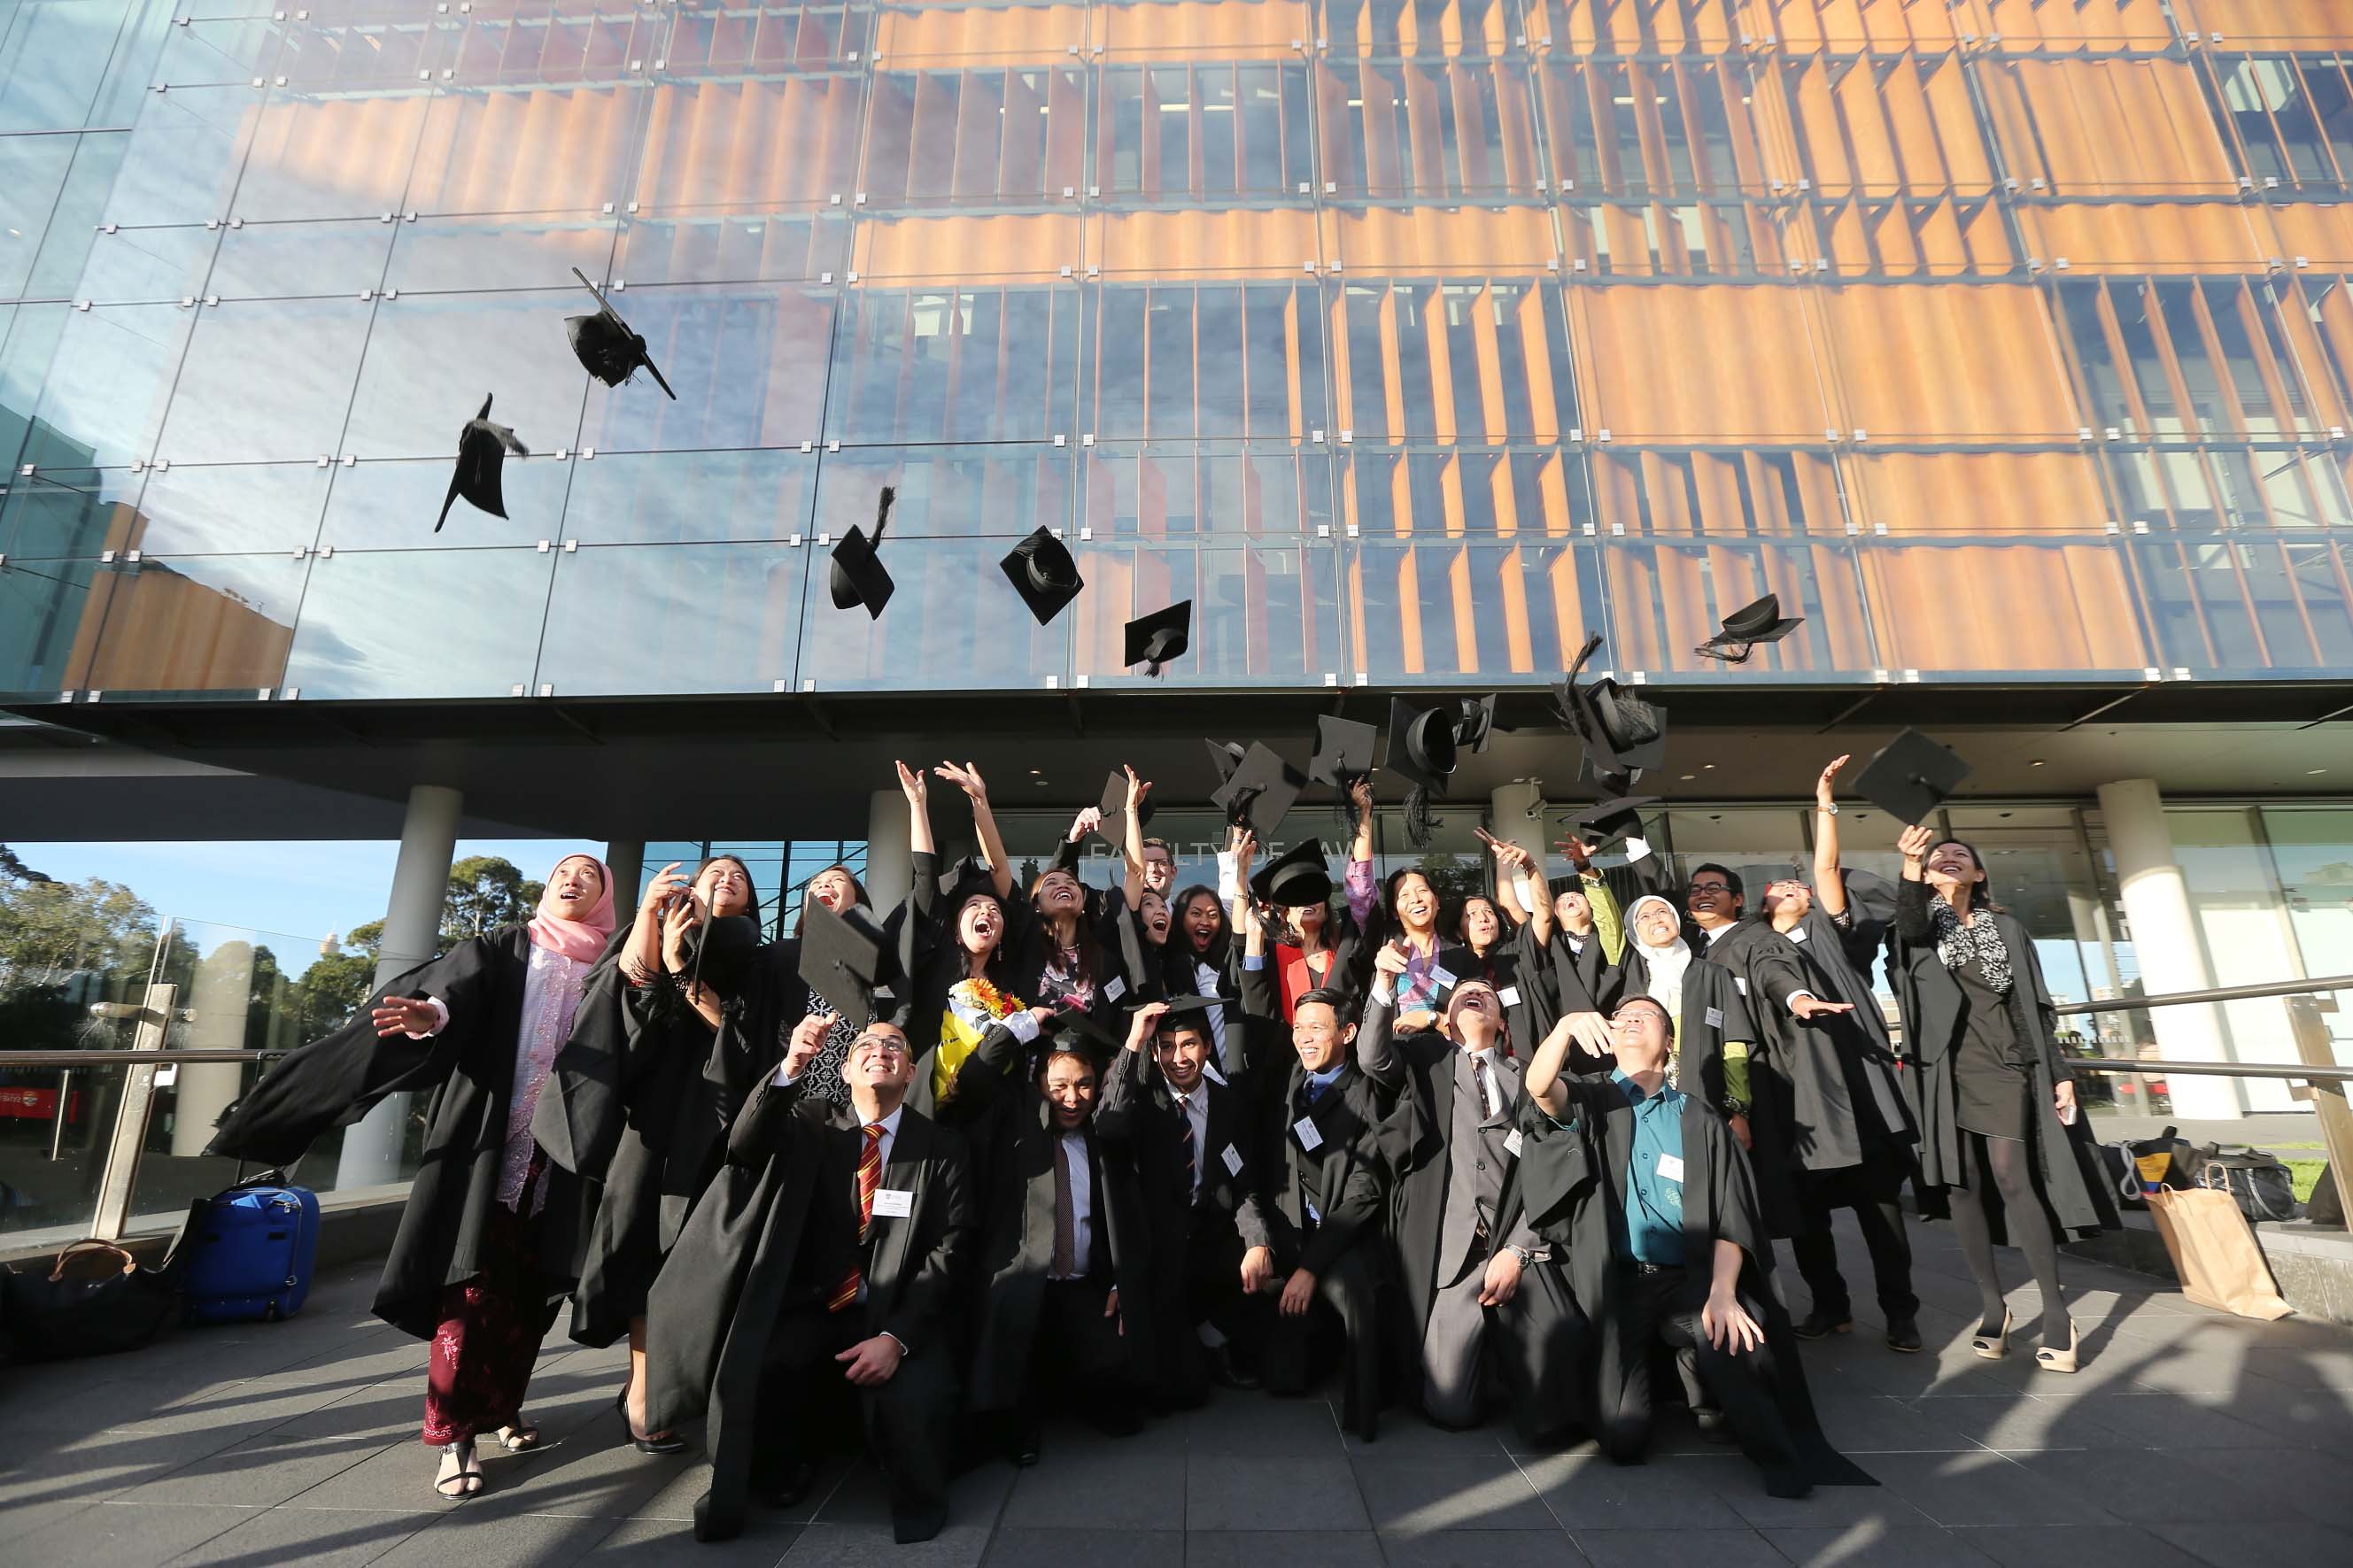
1827, 808
1522, 1253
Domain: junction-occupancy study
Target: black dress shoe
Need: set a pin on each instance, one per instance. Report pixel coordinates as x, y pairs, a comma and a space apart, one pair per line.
1903, 1334
1225, 1374
1027, 1442
1820, 1325
795, 1486
1711, 1423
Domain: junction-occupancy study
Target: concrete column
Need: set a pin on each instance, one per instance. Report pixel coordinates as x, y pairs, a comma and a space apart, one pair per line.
2165, 940
412, 934
626, 858
219, 998
1508, 810
890, 869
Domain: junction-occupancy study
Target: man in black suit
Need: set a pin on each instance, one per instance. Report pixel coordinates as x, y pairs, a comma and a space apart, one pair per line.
1311, 1221
1065, 1313
808, 1296
1191, 1135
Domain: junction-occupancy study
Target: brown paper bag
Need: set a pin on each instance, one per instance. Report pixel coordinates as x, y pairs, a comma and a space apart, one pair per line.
2214, 1252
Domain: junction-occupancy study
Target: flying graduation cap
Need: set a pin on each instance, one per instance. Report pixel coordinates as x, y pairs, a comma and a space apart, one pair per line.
1111, 810
1745, 627
1160, 637
1422, 751
604, 345
482, 449
1343, 752
845, 956
1294, 878
1225, 756
859, 577
1607, 821
1477, 723
1622, 733
1910, 777
1043, 572
1260, 792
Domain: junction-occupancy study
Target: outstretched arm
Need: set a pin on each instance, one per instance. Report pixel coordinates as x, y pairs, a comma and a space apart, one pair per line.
1830, 886
984, 824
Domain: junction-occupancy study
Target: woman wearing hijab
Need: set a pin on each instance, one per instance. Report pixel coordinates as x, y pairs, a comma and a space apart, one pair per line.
1996, 1105
483, 1253
1711, 1032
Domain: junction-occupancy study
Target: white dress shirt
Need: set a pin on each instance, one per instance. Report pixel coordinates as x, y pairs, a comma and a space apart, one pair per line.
1491, 1104
1082, 1202
1205, 982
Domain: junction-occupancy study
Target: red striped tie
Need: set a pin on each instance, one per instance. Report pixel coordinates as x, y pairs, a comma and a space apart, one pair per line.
870, 1176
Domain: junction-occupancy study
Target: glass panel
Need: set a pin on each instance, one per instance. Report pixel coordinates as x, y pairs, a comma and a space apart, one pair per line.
41, 609
184, 153
741, 357
331, 157
266, 381
1665, 600
192, 623
755, 143
430, 359
55, 1126
2313, 851
203, 53
2067, 605
997, 492
2243, 919
1456, 609
1758, 845
982, 364
625, 499
545, 150
278, 261
53, 60
1185, 487
218, 510
749, 245
104, 397
392, 505
67, 513
1260, 612
74, 220
674, 618
1182, 359
469, 625
145, 265
32, 172
955, 624
466, 254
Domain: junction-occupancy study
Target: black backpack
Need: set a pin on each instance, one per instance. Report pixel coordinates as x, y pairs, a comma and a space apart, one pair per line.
2258, 1183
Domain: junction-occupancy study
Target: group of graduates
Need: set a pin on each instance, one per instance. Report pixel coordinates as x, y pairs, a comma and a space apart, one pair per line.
916, 1179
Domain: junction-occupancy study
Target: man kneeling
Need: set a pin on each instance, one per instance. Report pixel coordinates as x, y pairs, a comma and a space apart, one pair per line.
1651, 1198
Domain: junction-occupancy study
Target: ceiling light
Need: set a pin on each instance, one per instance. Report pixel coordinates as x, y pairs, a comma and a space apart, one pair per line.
2310, 772
1687, 777
2035, 763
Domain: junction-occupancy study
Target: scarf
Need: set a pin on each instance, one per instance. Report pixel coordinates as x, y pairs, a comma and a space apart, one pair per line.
1981, 939
583, 941
1665, 964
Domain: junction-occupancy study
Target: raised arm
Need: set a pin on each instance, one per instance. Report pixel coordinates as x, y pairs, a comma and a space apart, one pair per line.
1133, 850
1364, 891
1377, 1051
641, 958
1912, 895
1544, 1082
1830, 886
984, 824
1234, 874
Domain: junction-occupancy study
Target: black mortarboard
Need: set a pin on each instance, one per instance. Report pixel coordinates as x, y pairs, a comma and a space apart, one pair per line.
1910, 777
1225, 756
605, 346
1622, 733
1343, 752
1043, 573
1068, 1021
1619, 816
1260, 792
1476, 725
483, 450
1114, 809
1422, 744
1160, 636
719, 952
1748, 625
1294, 878
1177, 1007
859, 577
842, 957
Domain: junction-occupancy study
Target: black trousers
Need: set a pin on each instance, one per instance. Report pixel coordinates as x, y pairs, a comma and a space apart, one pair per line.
808, 1410
1872, 1190
1213, 1276
1079, 1357
1341, 1324
1663, 1305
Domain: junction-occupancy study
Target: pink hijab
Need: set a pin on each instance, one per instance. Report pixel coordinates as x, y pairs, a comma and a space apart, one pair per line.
583, 941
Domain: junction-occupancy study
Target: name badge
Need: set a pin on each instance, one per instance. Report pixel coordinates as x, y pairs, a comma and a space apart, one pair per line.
1509, 995
1304, 1130
1742, 983
1210, 1070
1114, 988
1715, 1017
1441, 977
1671, 1166
893, 1203
1233, 1159
1512, 1143
1799, 934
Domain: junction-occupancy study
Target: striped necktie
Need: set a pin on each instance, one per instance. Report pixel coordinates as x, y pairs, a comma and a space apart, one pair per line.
869, 1178
1192, 1148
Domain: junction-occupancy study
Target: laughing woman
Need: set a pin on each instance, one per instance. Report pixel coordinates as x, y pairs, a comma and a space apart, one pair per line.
483, 1257
954, 938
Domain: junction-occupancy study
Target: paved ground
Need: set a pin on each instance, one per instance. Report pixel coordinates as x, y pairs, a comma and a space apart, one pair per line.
2190, 1439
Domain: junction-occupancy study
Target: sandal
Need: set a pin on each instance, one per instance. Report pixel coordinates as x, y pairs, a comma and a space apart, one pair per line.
466, 1477
1993, 1347
2052, 1359
519, 1438
659, 1443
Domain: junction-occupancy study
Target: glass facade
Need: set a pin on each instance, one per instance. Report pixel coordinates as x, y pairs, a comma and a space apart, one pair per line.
1411, 339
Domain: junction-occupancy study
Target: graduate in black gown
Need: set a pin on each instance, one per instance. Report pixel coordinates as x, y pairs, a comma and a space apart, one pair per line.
484, 1252
1647, 1193
808, 1302
1713, 1038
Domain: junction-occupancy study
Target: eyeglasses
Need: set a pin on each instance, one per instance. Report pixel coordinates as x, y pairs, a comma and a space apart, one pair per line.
1711, 887
878, 1044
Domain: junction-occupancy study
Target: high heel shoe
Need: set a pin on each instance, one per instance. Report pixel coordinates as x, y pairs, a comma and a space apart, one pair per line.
466, 1477
672, 1444
1995, 1347
2052, 1359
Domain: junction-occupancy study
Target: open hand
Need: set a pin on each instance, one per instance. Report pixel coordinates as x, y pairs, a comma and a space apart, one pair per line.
667, 885
413, 1015
1815, 1007
1086, 822
914, 785
1727, 1325
1822, 792
1914, 844
968, 779
871, 1362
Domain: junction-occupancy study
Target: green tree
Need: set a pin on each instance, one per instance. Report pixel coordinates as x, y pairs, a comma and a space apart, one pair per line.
64, 945
486, 892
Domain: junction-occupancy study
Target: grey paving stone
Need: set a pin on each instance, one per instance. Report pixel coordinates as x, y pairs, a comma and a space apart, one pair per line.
871, 1546
2149, 1487
1591, 1492
306, 1537
2281, 1541
686, 1477
1404, 1434
1104, 1487
671, 1543
1883, 1423
2290, 1482
1254, 1424
974, 1497
1676, 1549
1424, 1496
464, 1535
1483, 1549
1868, 1543
1963, 1489
2077, 1546
1827, 1506
261, 1472
1271, 1492
1291, 1549
1024, 1547
122, 1535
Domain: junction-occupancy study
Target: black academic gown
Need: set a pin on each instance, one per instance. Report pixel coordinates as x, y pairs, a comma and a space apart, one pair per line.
1342, 1251
1934, 1010
639, 1104
1519, 969
1582, 980
1571, 1183
717, 1302
1768, 972
996, 1097
1713, 1012
1846, 1092
470, 1068
1546, 1341
1138, 1112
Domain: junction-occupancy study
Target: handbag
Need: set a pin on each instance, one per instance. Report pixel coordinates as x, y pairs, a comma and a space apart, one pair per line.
96, 1301
2262, 1186
2214, 1252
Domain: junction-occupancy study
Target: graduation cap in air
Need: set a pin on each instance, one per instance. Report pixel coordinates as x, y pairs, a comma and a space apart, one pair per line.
1260, 792
1225, 756
1622, 733
483, 450
845, 956
1044, 574
1294, 878
1477, 723
604, 345
1160, 637
1748, 625
1422, 751
859, 577
1343, 752
1113, 809
1910, 777
1607, 821
1178, 1006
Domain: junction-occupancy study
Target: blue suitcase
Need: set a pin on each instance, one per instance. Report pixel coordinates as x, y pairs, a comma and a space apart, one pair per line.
256, 1246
